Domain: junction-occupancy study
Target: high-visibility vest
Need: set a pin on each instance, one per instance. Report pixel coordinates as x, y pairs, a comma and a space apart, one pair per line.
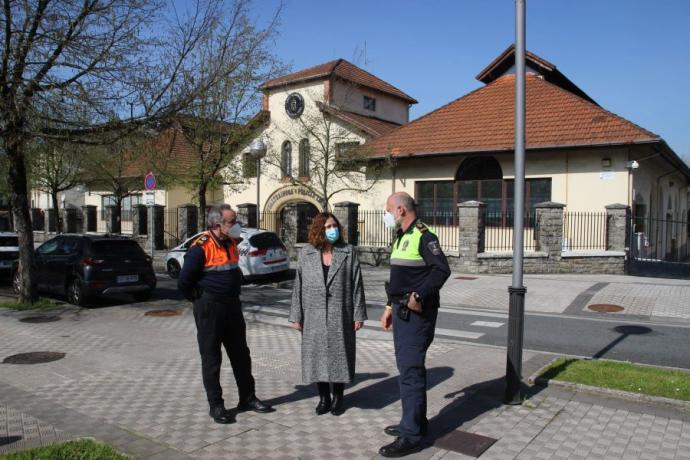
216, 257
406, 249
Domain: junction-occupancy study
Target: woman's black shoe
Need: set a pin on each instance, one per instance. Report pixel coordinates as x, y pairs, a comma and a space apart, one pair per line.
337, 406
324, 398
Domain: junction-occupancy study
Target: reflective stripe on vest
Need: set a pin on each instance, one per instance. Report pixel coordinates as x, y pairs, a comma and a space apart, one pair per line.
406, 250
216, 258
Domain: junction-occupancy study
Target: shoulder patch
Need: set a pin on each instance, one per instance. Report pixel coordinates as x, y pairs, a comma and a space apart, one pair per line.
422, 227
201, 240
434, 247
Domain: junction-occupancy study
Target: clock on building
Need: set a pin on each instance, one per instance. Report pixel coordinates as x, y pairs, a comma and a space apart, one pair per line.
294, 105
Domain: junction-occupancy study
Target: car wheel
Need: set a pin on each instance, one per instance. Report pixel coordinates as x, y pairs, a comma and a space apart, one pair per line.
173, 269
142, 296
75, 293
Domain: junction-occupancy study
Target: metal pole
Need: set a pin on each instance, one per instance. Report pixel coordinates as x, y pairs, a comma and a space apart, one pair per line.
153, 234
258, 192
516, 315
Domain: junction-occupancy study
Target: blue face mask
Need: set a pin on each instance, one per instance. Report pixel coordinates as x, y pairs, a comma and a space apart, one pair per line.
332, 235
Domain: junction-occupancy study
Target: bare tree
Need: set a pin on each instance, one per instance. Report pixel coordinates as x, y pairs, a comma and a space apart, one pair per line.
88, 67
331, 159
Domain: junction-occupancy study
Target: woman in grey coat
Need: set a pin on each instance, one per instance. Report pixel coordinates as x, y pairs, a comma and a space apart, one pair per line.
328, 307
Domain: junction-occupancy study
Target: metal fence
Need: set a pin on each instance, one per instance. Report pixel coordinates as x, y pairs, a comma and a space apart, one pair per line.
171, 236
661, 239
373, 232
498, 235
371, 229
584, 231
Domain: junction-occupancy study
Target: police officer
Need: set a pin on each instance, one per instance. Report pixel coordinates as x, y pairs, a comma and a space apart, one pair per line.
418, 271
211, 279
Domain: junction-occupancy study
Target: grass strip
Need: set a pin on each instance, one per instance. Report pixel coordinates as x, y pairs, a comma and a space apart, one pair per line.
40, 304
82, 449
619, 375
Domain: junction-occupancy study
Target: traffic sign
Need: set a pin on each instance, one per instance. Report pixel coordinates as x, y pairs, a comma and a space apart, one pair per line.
150, 181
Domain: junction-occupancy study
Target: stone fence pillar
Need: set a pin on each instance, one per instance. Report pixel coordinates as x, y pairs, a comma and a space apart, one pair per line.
472, 233
617, 228
549, 228
187, 220
288, 228
37, 219
52, 218
113, 223
90, 218
139, 220
348, 215
71, 220
157, 222
246, 213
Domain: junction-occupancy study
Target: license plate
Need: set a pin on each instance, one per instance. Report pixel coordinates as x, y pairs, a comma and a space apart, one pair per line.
127, 278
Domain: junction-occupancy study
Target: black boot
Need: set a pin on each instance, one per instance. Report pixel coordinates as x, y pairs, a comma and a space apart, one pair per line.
324, 398
337, 406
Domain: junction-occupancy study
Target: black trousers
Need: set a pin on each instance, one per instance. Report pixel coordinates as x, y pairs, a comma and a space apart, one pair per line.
219, 321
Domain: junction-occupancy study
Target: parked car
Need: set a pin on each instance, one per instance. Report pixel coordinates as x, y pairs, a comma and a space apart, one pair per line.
9, 253
85, 266
262, 253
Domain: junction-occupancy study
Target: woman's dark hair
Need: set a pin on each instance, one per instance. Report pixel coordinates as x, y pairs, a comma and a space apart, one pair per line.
317, 234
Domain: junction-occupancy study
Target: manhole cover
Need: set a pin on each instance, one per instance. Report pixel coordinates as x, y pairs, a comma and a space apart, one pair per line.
40, 319
468, 278
605, 308
34, 357
471, 444
163, 313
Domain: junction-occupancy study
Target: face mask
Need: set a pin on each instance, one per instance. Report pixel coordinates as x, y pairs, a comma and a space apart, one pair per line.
235, 231
389, 220
332, 234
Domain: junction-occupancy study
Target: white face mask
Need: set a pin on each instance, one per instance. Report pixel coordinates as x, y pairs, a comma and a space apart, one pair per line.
389, 220
235, 231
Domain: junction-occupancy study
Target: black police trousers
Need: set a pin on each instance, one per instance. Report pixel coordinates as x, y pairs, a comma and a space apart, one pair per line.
219, 321
412, 338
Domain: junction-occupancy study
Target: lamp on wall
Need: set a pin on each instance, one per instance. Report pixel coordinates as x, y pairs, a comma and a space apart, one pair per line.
257, 149
606, 162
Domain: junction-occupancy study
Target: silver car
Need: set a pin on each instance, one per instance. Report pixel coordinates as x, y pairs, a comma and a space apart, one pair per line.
261, 253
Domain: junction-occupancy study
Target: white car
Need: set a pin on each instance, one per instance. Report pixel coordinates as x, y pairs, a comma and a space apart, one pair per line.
261, 253
9, 252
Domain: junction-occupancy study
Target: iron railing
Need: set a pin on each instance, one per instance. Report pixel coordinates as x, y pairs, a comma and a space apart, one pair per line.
498, 236
660, 239
584, 231
373, 232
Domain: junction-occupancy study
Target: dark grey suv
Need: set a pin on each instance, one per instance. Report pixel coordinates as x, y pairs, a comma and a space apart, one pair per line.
84, 266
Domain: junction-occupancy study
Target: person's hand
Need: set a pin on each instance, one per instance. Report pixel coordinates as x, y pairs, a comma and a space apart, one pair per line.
358, 325
387, 319
296, 325
413, 305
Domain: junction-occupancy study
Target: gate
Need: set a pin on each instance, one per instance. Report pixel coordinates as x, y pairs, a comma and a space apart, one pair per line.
659, 247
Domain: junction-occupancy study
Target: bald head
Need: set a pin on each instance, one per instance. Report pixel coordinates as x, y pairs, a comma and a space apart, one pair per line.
404, 200
403, 208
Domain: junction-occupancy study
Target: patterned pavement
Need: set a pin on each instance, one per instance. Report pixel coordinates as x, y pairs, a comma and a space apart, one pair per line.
134, 381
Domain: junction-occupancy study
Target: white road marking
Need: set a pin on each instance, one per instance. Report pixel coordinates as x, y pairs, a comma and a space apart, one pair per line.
487, 324
448, 332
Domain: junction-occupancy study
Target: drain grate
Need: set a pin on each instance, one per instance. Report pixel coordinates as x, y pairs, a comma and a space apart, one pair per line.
163, 313
467, 278
40, 319
605, 308
34, 357
471, 444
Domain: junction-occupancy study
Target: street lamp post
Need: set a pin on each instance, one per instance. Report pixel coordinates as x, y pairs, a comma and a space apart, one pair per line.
257, 149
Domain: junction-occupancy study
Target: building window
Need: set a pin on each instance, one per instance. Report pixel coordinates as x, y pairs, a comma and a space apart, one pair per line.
304, 158
369, 103
286, 159
346, 158
248, 165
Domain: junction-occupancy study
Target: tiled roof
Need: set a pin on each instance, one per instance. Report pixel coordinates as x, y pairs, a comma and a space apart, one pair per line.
373, 126
483, 120
344, 70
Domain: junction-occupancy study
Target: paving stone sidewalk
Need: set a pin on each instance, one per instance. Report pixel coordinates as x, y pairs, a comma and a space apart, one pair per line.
134, 381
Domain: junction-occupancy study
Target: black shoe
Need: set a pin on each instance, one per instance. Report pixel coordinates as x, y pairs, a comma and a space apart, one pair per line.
324, 405
394, 430
256, 405
337, 406
220, 414
400, 447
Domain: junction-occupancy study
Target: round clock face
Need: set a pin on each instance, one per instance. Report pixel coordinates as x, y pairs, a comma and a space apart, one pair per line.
294, 105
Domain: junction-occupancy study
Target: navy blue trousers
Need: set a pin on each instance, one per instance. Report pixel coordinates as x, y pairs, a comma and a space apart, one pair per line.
412, 338
219, 322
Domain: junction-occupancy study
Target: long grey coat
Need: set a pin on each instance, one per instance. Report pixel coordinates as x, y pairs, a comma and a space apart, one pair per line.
327, 312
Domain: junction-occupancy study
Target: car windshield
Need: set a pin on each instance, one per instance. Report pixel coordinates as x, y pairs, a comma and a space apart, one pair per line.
9, 241
265, 240
121, 248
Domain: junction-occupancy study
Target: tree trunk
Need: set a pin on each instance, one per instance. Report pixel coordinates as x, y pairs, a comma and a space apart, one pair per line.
202, 206
58, 223
20, 211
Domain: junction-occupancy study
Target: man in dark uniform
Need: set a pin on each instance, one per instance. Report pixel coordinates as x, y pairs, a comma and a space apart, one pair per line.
211, 279
418, 271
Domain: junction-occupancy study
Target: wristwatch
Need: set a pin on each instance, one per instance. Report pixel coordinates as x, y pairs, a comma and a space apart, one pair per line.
418, 298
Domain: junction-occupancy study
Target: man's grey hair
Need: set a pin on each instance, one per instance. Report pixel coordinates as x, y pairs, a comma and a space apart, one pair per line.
215, 214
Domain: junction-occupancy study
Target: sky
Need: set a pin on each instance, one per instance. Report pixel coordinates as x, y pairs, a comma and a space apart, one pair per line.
631, 56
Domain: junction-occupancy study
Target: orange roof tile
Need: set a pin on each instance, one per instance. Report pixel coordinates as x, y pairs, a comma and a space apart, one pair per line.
373, 126
483, 120
344, 70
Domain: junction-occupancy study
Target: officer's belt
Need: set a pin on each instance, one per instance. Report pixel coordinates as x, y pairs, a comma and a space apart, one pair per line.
408, 262
220, 268
400, 298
